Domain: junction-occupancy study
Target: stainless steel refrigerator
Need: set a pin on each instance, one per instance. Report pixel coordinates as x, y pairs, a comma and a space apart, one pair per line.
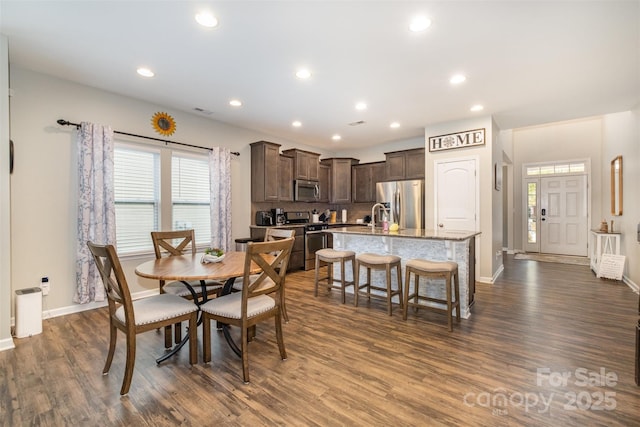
404, 200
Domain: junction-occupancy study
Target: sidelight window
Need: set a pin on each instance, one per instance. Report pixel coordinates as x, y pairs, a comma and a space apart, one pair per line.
532, 209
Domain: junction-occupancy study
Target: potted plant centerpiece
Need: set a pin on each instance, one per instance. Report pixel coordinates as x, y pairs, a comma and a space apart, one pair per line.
212, 255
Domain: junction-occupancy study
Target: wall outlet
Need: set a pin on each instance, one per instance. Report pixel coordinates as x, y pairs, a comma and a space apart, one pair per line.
45, 285
498, 254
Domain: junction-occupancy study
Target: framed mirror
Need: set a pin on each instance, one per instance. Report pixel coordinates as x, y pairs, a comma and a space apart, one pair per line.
616, 186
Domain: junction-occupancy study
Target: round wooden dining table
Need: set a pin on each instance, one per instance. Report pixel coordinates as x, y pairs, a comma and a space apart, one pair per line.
189, 268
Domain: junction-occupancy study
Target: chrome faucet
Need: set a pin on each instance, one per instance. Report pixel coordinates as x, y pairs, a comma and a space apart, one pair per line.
373, 209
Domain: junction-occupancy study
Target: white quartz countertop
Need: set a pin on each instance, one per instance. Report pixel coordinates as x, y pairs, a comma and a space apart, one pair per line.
408, 233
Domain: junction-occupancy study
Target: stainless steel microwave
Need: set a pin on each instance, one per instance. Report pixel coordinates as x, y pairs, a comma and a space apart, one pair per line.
306, 191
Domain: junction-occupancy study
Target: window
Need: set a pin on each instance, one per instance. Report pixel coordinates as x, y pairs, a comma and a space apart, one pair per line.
137, 197
532, 220
143, 205
556, 169
191, 196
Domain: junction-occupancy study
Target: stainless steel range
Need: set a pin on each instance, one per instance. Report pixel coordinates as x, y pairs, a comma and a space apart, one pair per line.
315, 237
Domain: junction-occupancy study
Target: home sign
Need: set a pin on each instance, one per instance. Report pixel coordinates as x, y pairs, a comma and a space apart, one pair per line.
469, 138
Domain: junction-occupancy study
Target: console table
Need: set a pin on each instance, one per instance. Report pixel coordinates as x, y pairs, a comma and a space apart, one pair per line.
602, 243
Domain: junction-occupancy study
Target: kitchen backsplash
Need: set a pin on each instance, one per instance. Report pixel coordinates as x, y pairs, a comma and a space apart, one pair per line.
354, 210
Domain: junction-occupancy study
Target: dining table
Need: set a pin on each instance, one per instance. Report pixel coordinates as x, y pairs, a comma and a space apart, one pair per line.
189, 268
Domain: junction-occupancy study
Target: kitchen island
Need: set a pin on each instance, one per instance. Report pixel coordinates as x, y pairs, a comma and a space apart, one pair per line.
434, 245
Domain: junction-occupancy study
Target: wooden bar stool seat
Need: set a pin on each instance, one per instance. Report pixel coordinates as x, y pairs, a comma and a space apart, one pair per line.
433, 270
379, 262
331, 256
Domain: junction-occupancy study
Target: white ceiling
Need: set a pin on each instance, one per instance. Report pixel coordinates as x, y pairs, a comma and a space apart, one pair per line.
527, 62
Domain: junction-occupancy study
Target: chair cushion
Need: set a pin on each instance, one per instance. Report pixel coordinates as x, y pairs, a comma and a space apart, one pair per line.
158, 307
180, 289
378, 259
334, 254
230, 305
433, 266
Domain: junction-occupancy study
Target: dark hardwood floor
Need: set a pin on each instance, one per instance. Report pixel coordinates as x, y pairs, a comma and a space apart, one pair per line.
546, 345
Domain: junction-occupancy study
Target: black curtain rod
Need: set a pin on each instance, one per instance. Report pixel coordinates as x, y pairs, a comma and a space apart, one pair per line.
77, 125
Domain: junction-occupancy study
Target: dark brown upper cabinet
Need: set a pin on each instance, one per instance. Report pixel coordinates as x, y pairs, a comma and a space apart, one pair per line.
265, 160
405, 164
364, 178
340, 178
285, 178
305, 164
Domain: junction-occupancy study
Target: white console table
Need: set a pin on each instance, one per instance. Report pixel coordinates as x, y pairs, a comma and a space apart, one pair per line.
603, 243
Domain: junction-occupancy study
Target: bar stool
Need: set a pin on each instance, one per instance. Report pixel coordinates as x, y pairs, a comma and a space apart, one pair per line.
330, 256
433, 270
379, 262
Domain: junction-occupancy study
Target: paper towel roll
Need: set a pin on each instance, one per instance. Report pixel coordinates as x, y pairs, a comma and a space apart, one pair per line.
344, 215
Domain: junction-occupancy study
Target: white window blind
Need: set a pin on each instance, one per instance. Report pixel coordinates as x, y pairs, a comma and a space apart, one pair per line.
137, 198
190, 195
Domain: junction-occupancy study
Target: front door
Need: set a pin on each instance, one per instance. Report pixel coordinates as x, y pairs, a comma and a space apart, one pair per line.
563, 215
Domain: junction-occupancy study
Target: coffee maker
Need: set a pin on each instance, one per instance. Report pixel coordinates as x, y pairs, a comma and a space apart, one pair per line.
278, 216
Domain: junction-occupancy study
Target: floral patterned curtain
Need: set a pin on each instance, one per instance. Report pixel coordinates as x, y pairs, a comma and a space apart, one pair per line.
96, 206
220, 183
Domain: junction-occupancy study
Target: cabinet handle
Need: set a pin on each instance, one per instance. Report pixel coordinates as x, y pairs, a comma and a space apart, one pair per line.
441, 225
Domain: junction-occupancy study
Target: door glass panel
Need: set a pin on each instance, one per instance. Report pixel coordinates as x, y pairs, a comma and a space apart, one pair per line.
532, 208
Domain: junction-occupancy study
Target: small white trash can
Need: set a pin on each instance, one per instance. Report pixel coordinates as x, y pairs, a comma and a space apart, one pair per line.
28, 312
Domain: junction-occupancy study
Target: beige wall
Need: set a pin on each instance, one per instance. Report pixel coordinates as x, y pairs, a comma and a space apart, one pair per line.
5, 228
621, 133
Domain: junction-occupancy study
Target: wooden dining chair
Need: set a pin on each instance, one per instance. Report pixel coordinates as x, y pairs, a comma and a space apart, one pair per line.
180, 242
142, 315
259, 300
278, 234
271, 235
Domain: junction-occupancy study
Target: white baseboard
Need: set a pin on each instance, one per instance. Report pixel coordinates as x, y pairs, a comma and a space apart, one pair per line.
78, 308
630, 283
7, 344
492, 280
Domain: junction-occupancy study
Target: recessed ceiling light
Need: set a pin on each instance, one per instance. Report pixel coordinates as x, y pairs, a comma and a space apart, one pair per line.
477, 108
394, 125
457, 79
303, 73
336, 137
206, 19
361, 106
145, 72
419, 23
235, 103
296, 124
